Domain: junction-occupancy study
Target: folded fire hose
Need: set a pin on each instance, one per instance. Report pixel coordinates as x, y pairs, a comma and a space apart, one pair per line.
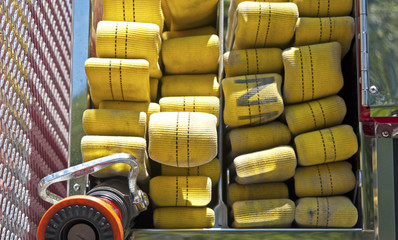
182, 130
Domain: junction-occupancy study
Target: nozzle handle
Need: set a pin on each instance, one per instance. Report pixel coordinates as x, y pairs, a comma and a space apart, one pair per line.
138, 197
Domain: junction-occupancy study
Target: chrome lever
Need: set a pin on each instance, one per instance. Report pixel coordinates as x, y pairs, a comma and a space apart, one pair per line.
138, 198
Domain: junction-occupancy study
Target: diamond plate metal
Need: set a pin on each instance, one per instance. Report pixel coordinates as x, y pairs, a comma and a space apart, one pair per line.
35, 68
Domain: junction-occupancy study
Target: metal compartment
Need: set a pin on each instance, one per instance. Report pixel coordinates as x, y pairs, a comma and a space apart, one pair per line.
370, 184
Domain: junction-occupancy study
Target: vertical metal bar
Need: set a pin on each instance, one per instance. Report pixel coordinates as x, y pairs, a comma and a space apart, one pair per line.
80, 53
367, 205
364, 50
384, 189
221, 211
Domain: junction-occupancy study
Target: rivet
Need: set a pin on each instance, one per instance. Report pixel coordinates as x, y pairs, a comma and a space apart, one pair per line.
76, 187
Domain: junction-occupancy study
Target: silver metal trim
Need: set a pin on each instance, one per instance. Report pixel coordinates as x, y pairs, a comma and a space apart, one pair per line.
221, 210
78, 92
272, 233
364, 51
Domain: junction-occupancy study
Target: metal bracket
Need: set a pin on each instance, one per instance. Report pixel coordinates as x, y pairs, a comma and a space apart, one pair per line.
386, 130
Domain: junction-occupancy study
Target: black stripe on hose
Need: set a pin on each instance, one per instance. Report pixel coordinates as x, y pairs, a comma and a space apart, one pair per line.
266, 115
187, 189
248, 100
125, 42
121, 82
189, 123
133, 10
312, 73
259, 101
320, 30
247, 63
328, 13
259, 23
323, 142
331, 179
302, 74
116, 39
323, 113
183, 104
194, 104
269, 24
178, 116
124, 12
319, 8
176, 191
331, 29
334, 144
320, 179
110, 78
264, 81
257, 60
313, 115
327, 216
317, 212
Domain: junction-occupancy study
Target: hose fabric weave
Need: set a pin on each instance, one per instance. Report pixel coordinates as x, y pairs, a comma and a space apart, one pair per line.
312, 72
181, 14
260, 25
113, 79
191, 55
189, 33
148, 108
211, 170
130, 40
324, 180
190, 104
268, 213
251, 139
183, 217
114, 122
182, 139
326, 145
190, 85
313, 115
231, 18
329, 29
180, 191
273, 165
145, 11
323, 8
328, 212
94, 147
252, 99
253, 61
238, 192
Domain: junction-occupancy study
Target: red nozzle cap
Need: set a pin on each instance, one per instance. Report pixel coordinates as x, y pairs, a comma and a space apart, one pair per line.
83, 201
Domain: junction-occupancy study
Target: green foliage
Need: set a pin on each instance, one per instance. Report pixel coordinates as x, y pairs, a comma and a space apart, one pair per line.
383, 51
